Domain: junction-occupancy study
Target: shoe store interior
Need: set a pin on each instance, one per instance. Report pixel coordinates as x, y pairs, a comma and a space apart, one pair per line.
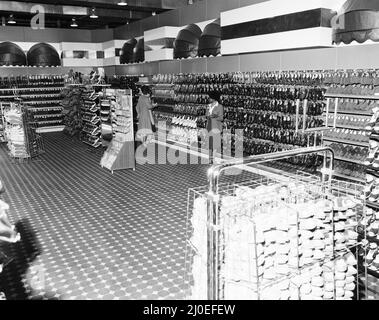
189, 150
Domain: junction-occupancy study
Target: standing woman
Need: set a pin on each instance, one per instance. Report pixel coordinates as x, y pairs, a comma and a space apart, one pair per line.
145, 117
215, 118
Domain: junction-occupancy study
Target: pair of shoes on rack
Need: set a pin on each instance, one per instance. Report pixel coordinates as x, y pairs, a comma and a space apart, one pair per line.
373, 157
373, 124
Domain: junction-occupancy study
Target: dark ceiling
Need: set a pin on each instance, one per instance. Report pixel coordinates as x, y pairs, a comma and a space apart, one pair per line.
59, 13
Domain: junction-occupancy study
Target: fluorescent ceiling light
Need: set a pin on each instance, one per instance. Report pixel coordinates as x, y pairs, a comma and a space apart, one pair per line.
11, 19
73, 23
93, 14
122, 3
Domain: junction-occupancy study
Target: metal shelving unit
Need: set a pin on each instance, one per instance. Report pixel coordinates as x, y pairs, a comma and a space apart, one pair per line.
31, 95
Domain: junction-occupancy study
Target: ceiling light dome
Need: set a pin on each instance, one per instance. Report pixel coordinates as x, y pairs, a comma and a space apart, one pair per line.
210, 40
186, 44
11, 55
43, 55
127, 51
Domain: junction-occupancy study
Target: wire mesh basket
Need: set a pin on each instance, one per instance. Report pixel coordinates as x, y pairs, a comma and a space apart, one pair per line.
290, 237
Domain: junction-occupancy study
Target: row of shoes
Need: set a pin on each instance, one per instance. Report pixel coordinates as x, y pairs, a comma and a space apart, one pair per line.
206, 78
348, 135
302, 78
91, 129
372, 160
190, 122
31, 81
371, 189
364, 90
94, 119
247, 119
190, 109
256, 147
373, 124
281, 136
350, 169
352, 77
53, 109
357, 122
95, 141
356, 105
198, 88
192, 98
314, 108
168, 93
124, 82
349, 152
186, 120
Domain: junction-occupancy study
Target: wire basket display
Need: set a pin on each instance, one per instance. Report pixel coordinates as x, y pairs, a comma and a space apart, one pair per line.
276, 238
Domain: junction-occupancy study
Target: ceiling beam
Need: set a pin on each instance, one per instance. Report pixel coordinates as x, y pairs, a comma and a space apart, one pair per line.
21, 7
135, 5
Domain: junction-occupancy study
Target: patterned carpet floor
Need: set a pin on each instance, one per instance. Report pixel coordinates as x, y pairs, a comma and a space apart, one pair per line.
88, 234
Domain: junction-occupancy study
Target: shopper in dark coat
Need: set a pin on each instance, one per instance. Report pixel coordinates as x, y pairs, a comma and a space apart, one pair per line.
145, 118
215, 118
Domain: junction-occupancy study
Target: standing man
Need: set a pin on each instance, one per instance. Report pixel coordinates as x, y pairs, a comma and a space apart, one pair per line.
215, 118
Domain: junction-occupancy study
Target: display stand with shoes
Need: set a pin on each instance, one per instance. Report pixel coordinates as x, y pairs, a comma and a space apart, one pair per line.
72, 100
42, 93
120, 154
352, 112
90, 117
20, 131
276, 111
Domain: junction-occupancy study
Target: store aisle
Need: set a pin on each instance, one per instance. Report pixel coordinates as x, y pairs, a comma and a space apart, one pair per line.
92, 235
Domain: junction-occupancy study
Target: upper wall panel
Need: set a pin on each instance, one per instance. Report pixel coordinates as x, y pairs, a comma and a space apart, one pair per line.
129, 31
214, 7
57, 35
169, 19
14, 34
102, 35
194, 13
244, 3
23, 34
150, 23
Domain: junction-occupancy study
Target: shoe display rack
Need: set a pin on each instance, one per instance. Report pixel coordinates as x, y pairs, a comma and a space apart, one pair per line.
2, 127
105, 113
120, 152
72, 101
129, 83
20, 131
287, 238
274, 110
106, 118
90, 116
352, 102
43, 95
163, 93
